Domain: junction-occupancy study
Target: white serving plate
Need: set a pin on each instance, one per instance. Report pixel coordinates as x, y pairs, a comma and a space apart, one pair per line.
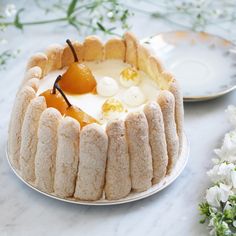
204, 64
182, 161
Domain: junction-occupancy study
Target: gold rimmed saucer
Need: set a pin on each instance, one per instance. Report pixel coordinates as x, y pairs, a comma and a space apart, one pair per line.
204, 64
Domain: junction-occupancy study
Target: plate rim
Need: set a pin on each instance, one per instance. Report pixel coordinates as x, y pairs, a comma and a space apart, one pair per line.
203, 97
138, 196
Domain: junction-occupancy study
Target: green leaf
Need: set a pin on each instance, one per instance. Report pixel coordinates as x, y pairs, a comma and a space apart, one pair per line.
6, 56
156, 15
17, 22
71, 7
232, 199
125, 15
101, 27
204, 209
202, 221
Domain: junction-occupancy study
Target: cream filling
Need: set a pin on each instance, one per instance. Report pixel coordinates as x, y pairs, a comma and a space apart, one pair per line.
133, 99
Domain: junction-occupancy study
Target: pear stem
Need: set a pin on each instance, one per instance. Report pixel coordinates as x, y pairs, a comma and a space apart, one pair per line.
55, 83
57, 87
72, 50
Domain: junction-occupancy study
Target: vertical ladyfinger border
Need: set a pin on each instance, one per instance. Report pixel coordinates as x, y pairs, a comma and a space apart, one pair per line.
45, 158
166, 81
157, 140
22, 100
29, 137
166, 101
140, 151
118, 181
92, 163
175, 89
67, 157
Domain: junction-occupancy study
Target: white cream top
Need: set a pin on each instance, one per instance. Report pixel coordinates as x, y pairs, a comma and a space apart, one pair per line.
108, 77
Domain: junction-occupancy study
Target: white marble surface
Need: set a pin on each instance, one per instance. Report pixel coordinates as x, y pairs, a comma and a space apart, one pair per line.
171, 212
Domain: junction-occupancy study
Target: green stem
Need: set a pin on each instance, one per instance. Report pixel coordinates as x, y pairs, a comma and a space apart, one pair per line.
88, 5
45, 22
35, 22
96, 28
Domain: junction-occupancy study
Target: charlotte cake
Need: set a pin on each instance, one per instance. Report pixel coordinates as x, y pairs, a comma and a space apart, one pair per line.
111, 124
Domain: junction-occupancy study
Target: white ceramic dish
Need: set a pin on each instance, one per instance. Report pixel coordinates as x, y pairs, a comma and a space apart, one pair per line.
204, 64
183, 158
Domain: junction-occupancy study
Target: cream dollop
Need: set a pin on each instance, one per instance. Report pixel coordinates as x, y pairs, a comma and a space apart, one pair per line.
134, 96
107, 87
129, 77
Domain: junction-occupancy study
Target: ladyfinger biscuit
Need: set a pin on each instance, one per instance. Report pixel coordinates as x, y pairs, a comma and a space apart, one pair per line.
23, 98
92, 163
118, 181
93, 49
143, 58
39, 59
29, 137
166, 101
67, 157
33, 83
54, 54
140, 151
33, 72
115, 49
46, 149
165, 80
67, 55
155, 70
157, 141
131, 43
179, 110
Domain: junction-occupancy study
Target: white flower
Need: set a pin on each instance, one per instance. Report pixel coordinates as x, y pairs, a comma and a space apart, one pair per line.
231, 112
228, 150
217, 194
222, 173
110, 14
10, 10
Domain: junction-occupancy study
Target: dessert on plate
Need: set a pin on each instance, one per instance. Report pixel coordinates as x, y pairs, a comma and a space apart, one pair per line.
94, 120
